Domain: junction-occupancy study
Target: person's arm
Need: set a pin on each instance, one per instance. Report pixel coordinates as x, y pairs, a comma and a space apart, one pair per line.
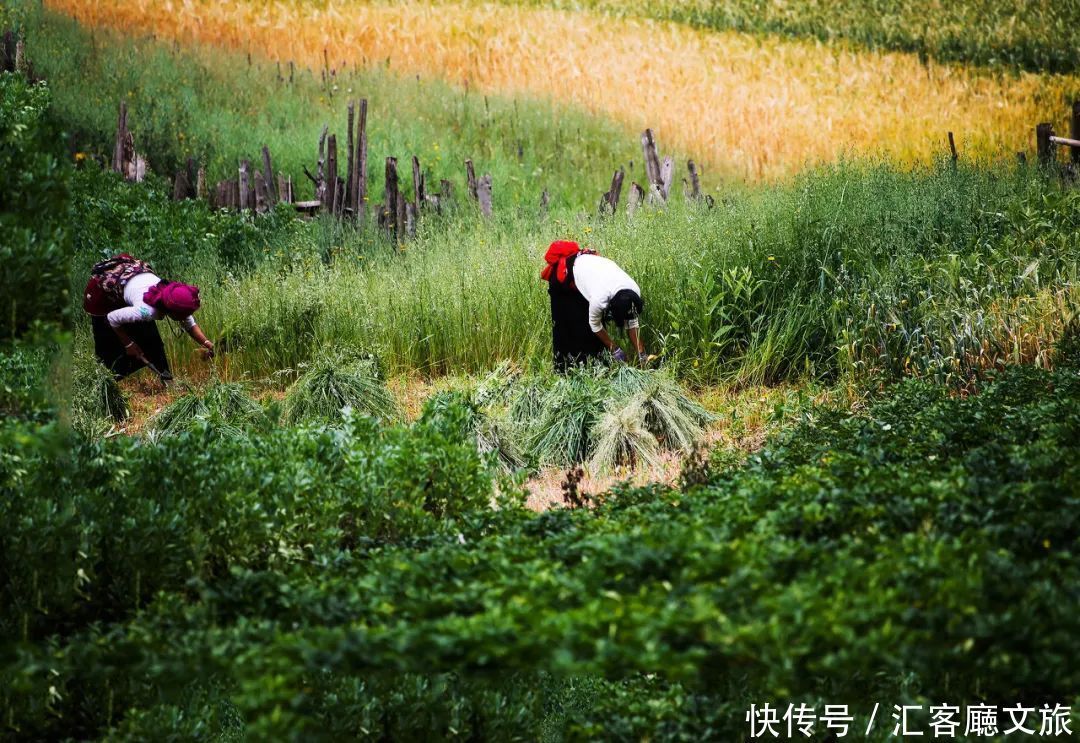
118, 318
199, 337
635, 338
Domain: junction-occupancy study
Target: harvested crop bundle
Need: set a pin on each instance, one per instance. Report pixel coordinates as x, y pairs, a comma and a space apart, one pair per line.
96, 399
460, 411
621, 437
335, 382
567, 411
226, 405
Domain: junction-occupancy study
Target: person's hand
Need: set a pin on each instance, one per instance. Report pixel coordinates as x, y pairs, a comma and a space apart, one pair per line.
132, 349
208, 348
619, 355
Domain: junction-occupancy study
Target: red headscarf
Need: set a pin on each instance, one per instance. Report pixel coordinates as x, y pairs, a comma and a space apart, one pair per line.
173, 298
556, 256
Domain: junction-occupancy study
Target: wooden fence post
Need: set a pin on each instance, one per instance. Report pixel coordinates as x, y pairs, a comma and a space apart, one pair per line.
609, 202
181, 186
483, 194
243, 183
261, 204
121, 138
392, 195
200, 183
360, 173
272, 196
417, 182
634, 199
470, 176
1074, 132
952, 150
331, 175
1044, 147
7, 52
350, 182
652, 160
695, 181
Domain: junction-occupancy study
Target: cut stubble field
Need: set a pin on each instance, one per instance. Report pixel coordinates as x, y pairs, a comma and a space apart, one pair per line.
749, 106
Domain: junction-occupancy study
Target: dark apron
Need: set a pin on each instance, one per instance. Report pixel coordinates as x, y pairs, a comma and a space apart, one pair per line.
111, 351
572, 340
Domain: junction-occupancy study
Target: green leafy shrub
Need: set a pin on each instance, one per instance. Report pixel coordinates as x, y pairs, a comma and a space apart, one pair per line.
35, 243
24, 382
303, 572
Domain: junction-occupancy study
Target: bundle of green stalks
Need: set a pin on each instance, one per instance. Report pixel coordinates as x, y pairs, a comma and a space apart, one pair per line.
337, 381
476, 420
224, 405
607, 416
96, 400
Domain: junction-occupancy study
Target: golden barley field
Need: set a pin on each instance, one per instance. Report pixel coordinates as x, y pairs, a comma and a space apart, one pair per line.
751, 107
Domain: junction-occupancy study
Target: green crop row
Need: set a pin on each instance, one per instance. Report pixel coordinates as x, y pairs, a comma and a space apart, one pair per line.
924, 550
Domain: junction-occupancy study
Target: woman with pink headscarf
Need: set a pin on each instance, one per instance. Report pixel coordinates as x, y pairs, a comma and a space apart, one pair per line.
124, 298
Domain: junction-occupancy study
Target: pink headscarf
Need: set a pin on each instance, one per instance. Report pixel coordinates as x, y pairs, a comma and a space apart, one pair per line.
173, 298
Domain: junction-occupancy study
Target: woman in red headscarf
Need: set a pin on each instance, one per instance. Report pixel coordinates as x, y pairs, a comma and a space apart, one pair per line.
124, 297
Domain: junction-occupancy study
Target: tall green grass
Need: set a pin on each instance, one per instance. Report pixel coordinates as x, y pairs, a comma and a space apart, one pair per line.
219, 107
847, 270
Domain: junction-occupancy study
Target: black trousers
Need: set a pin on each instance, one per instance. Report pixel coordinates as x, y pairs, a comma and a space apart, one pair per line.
111, 351
572, 340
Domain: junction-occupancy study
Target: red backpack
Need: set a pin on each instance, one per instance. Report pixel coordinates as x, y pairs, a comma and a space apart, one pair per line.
105, 289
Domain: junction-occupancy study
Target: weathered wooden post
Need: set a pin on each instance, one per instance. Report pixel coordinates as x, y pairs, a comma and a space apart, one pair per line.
272, 195
470, 176
952, 150
694, 193
181, 186
392, 195
7, 52
200, 183
331, 175
245, 203
483, 194
635, 198
417, 182
261, 204
118, 163
667, 175
609, 202
350, 147
545, 199
1074, 132
360, 172
1043, 146
652, 161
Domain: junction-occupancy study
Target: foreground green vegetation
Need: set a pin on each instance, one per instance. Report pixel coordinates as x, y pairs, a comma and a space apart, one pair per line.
284, 588
1039, 35
342, 577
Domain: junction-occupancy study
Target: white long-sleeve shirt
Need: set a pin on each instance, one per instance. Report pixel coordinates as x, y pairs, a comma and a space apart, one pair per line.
599, 279
138, 310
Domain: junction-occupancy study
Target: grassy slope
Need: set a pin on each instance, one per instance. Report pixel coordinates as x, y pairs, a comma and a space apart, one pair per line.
214, 106
747, 106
